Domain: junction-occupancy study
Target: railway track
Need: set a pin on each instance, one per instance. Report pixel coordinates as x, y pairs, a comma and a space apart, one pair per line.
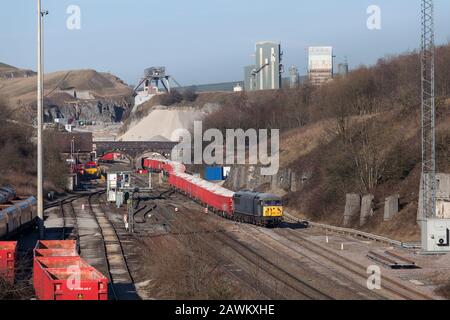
70, 225
68, 199
289, 279
352, 286
230, 267
119, 274
294, 285
97, 240
237, 267
393, 288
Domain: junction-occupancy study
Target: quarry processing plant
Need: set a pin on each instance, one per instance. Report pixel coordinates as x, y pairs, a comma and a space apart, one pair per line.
320, 65
266, 73
152, 79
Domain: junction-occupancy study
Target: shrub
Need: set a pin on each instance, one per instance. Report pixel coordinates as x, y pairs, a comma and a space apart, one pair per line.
190, 95
171, 98
18, 153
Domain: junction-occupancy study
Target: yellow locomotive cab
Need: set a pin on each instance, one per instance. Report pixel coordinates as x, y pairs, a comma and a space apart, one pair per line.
276, 211
91, 169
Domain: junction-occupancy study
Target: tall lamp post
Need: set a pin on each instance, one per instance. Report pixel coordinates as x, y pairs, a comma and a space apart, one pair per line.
40, 103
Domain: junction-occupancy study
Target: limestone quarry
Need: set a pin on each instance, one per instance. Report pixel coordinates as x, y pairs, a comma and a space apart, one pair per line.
77, 95
161, 123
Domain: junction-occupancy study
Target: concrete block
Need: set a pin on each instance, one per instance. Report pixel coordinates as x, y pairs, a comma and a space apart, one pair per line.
391, 207
352, 207
366, 208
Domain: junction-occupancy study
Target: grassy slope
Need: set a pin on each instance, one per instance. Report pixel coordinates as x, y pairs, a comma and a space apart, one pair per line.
303, 149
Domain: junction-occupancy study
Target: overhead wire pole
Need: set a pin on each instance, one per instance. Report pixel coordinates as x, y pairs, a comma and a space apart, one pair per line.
40, 103
428, 112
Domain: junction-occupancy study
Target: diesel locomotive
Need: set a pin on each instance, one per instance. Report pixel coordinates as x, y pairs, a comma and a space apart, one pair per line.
258, 208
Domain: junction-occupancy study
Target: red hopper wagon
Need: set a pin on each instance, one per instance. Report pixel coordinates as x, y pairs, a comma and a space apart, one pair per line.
72, 284
41, 264
56, 248
8, 253
60, 274
55, 253
56, 244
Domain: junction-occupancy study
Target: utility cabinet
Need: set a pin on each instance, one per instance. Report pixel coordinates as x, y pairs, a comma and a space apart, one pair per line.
436, 235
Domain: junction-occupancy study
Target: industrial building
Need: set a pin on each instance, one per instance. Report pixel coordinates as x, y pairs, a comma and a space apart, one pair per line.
294, 77
342, 69
265, 74
152, 79
320, 65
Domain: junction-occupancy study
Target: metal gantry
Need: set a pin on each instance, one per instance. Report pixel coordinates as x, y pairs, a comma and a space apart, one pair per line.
428, 112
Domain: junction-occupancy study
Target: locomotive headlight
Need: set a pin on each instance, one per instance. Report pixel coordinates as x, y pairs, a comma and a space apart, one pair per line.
273, 211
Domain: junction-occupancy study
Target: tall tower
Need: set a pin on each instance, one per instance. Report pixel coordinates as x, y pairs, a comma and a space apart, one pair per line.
293, 77
428, 113
268, 62
435, 230
320, 65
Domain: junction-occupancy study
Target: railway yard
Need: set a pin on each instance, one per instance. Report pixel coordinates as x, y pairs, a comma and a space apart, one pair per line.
285, 167
178, 251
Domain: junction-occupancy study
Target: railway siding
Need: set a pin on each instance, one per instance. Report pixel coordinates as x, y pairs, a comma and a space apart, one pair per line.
81, 217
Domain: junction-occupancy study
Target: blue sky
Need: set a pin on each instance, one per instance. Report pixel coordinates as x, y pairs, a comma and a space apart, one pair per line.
207, 41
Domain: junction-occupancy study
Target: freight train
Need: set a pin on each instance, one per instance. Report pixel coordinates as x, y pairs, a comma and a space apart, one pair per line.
243, 206
15, 215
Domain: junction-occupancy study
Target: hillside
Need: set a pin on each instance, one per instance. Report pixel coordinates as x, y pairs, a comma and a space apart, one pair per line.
359, 134
8, 72
87, 89
100, 85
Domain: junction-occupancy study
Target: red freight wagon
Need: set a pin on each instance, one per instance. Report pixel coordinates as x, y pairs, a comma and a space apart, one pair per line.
167, 167
110, 157
64, 284
188, 186
55, 248
43, 263
155, 165
55, 253
8, 253
174, 181
221, 202
56, 244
